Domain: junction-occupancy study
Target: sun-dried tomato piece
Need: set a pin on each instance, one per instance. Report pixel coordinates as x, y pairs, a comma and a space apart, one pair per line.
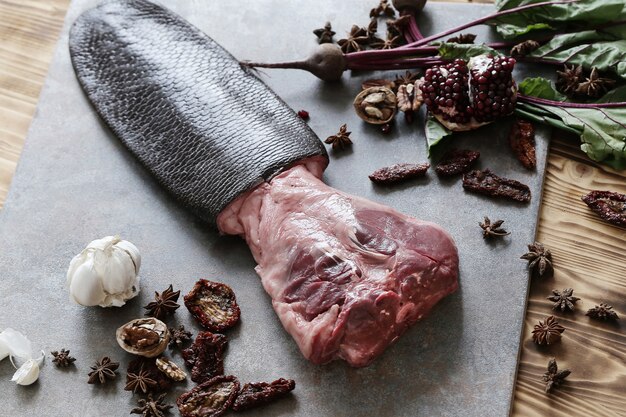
149, 366
486, 182
608, 205
399, 172
522, 141
456, 161
205, 356
213, 304
209, 399
257, 393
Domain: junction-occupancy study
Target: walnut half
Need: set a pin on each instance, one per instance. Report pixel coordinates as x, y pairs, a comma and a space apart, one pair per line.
376, 105
145, 337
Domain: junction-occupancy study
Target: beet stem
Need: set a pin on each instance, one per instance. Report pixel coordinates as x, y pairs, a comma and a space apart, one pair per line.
408, 35
546, 102
483, 20
414, 29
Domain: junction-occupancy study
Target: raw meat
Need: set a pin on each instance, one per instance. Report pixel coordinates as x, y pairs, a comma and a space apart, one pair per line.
347, 276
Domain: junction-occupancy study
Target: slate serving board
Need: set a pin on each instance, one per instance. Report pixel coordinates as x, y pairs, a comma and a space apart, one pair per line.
76, 182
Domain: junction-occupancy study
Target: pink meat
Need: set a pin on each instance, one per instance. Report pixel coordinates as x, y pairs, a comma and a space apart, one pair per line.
347, 276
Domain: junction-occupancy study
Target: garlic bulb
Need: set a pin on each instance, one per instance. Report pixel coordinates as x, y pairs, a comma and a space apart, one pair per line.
105, 273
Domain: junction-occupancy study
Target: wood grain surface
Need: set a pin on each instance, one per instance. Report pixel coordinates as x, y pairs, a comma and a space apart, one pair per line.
589, 254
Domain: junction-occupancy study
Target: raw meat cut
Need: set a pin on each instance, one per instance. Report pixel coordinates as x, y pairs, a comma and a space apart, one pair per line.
347, 276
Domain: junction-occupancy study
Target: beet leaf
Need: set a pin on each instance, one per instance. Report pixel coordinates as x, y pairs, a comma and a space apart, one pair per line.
602, 129
555, 16
605, 50
435, 133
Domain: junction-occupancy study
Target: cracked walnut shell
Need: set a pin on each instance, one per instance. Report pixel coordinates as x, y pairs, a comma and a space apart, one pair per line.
376, 105
144, 337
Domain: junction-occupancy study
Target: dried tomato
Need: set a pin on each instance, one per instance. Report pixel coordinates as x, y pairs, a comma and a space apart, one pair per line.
456, 161
205, 356
209, 399
486, 182
258, 393
213, 304
522, 141
148, 365
608, 205
399, 172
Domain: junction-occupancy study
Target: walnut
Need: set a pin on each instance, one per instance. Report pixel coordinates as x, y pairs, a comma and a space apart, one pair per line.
145, 337
376, 105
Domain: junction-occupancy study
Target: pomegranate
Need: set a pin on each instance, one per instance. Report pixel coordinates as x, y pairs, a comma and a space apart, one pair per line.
466, 95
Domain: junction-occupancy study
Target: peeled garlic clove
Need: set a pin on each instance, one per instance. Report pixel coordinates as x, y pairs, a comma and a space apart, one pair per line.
105, 273
28, 372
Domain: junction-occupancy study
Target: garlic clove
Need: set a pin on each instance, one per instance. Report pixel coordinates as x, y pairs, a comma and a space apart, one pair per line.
85, 284
116, 266
27, 373
15, 344
133, 252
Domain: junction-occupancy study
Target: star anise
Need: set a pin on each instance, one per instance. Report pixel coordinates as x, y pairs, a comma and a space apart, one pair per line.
594, 86
568, 80
341, 139
383, 8
389, 43
139, 382
163, 304
372, 28
548, 331
465, 38
603, 312
406, 78
539, 259
355, 41
493, 229
325, 34
149, 407
62, 359
553, 378
103, 370
178, 337
563, 300
397, 26
524, 48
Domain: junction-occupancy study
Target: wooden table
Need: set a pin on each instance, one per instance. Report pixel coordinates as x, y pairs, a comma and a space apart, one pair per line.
589, 255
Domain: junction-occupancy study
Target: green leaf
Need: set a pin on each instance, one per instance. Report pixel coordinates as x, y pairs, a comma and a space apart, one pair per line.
555, 16
541, 88
435, 133
589, 49
614, 96
512, 31
602, 131
450, 50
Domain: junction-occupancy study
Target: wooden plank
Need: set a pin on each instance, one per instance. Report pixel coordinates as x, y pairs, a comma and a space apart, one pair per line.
28, 33
588, 257
588, 253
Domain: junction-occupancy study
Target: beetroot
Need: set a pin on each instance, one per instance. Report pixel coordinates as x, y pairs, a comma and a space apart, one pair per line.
327, 63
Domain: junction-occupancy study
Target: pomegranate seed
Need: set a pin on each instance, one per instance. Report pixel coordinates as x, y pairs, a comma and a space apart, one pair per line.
303, 114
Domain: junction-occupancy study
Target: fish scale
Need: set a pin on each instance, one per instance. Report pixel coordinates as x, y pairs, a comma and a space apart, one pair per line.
206, 128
